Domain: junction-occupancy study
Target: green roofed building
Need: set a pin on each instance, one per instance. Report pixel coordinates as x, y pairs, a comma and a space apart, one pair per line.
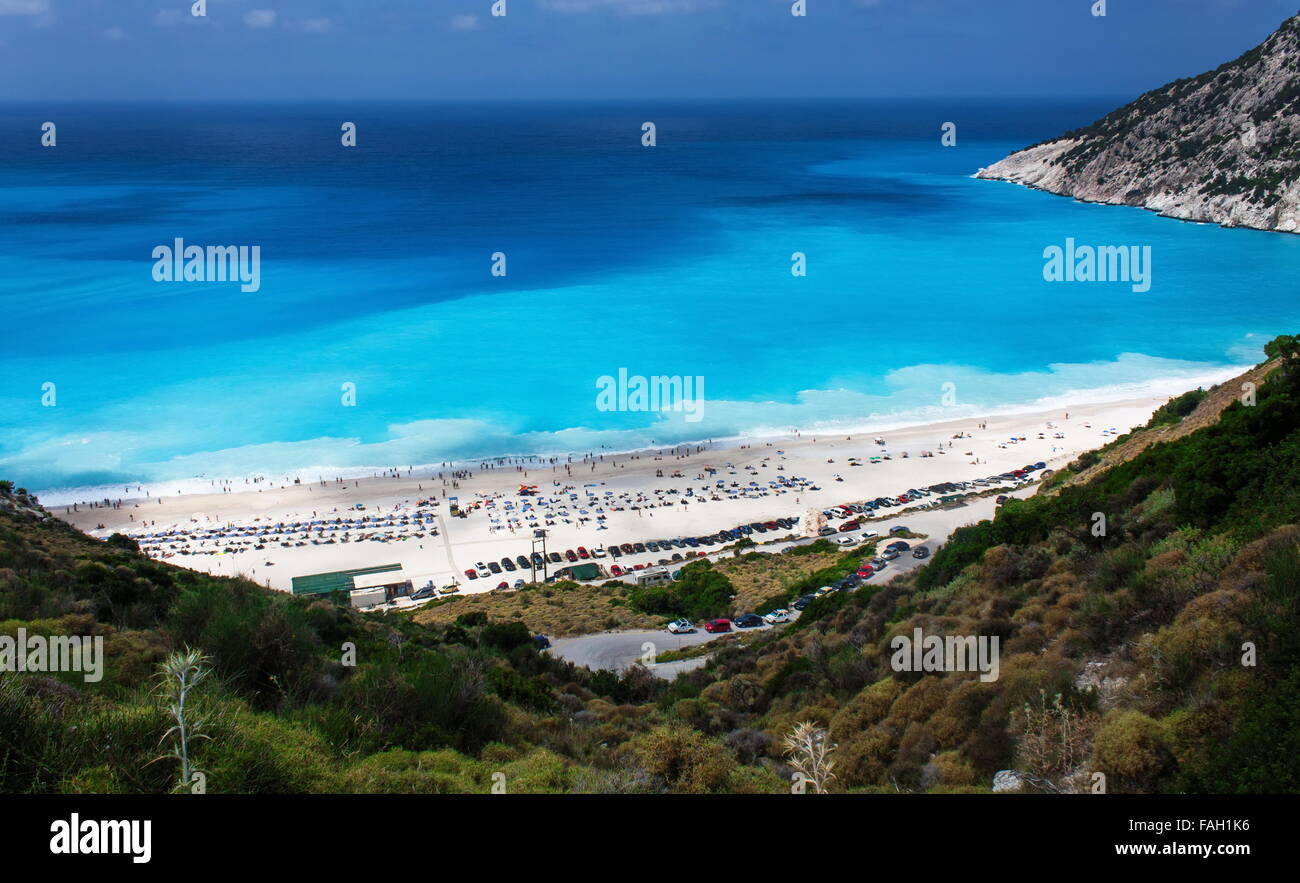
338, 581
584, 571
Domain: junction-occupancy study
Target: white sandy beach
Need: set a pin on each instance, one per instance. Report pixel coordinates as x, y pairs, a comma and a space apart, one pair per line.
620, 499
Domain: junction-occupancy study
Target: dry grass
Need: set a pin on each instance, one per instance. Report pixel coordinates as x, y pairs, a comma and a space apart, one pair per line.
760, 576
559, 610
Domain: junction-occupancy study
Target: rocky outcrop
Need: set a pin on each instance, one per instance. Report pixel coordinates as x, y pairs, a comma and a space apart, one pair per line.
1223, 147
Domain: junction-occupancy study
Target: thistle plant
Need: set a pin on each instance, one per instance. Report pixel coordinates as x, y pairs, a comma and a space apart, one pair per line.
180, 674
1055, 744
809, 749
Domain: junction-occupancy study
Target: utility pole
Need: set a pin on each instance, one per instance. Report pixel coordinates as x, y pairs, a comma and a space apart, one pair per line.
539, 537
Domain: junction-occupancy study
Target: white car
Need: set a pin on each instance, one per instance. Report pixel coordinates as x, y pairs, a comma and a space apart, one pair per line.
825, 590
777, 616
597, 553
482, 569
869, 535
842, 540
681, 626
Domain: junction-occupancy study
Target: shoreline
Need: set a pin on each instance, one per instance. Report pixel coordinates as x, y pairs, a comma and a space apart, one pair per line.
1167, 386
610, 499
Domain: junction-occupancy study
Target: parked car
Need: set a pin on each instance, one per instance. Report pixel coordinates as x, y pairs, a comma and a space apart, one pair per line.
615, 552
803, 601
777, 616
844, 541
920, 552
482, 569
471, 573
826, 532
898, 528
681, 626
508, 564
524, 563
583, 553
542, 642
426, 592
889, 554
899, 546
519, 584
616, 570
749, 621
713, 626
570, 555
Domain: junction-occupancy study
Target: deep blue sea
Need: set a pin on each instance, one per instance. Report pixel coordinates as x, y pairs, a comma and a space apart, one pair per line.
671, 260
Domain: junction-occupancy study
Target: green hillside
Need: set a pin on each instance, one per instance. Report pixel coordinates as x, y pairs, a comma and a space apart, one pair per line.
1120, 654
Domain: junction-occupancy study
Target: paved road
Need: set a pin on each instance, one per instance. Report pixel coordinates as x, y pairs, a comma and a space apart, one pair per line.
937, 524
616, 651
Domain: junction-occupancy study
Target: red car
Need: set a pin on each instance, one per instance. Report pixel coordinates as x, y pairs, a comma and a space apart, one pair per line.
503, 585
583, 553
717, 625
866, 570
616, 570
568, 553
469, 572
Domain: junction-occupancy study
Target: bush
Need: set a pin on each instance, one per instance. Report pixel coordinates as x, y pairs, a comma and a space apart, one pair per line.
1132, 750
506, 636
683, 760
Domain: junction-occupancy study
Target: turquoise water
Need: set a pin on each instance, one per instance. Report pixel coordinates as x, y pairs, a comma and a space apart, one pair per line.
671, 261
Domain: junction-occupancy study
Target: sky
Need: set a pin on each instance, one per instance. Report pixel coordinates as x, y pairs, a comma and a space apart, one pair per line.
615, 49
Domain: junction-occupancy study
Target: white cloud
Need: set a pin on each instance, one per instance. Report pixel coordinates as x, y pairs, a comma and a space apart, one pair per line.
24, 7
114, 33
318, 25
260, 18
464, 22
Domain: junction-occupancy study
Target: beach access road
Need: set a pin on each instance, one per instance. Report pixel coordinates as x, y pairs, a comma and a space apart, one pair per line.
617, 651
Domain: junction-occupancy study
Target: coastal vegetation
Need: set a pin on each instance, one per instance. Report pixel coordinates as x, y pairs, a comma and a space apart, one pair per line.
1162, 652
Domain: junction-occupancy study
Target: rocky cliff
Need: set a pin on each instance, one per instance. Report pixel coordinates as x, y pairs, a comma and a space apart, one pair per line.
1222, 147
